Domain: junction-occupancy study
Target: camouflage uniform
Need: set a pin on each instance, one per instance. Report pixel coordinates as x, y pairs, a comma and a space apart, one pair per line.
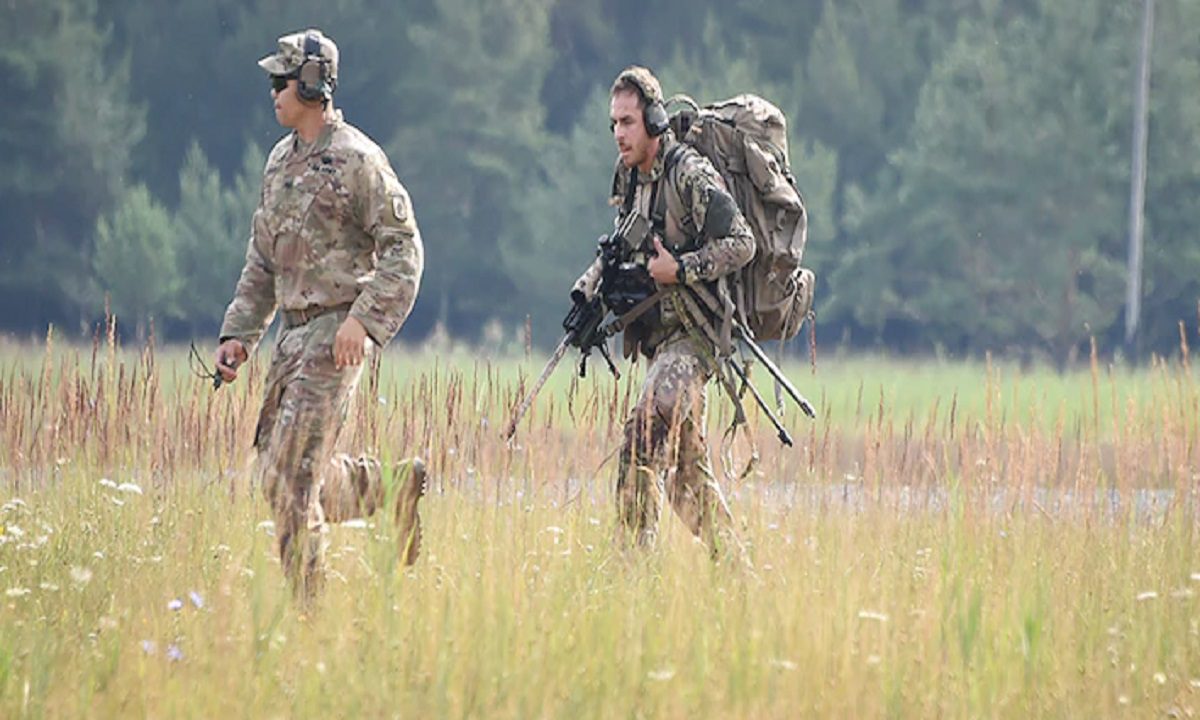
333, 235
665, 452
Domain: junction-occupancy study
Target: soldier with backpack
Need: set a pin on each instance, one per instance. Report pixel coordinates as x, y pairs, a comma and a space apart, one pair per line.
680, 227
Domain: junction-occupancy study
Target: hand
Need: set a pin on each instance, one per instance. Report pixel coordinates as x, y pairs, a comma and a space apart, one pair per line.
230, 354
349, 345
663, 266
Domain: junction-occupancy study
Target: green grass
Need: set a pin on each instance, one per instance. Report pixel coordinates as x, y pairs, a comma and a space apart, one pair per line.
910, 558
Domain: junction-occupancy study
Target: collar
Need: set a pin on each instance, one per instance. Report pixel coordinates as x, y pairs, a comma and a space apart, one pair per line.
323, 140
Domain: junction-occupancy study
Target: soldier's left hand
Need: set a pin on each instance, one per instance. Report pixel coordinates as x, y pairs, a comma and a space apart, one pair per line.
349, 345
663, 266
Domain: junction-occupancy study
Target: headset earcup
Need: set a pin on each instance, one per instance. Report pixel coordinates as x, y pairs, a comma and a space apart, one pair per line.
310, 82
656, 119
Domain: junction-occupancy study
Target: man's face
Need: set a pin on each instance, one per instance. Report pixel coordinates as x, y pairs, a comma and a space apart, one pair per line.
288, 108
636, 147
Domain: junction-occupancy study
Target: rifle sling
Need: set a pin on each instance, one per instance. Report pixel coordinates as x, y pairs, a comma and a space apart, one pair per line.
618, 324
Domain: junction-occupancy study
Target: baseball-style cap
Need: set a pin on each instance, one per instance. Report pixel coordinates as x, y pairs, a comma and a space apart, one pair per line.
295, 48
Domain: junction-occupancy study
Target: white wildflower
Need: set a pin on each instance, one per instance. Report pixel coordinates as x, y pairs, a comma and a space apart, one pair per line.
661, 675
105, 482
1147, 595
81, 575
16, 592
128, 487
784, 664
872, 615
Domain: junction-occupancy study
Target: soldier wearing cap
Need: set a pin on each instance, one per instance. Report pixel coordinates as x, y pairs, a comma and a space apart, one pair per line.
698, 235
334, 248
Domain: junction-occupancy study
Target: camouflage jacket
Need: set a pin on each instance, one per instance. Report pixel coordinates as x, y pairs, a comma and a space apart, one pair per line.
692, 186
333, 226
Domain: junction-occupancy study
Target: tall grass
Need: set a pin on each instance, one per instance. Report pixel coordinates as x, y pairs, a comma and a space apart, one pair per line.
951, 540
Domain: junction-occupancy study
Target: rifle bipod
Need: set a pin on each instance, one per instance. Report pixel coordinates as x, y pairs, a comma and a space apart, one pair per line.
740, 371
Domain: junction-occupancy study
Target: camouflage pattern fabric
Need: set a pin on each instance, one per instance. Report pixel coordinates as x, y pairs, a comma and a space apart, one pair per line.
307, 398
665, 454
290, 55
665, 451
690, 190
333, 226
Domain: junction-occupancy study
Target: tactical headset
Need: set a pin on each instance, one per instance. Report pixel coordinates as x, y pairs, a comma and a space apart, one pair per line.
654, 116
654, 112
312, 78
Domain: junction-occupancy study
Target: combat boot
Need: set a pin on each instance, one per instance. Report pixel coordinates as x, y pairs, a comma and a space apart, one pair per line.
408, 483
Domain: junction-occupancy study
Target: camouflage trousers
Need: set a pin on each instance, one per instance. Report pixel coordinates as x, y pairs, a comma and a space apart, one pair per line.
665, 454
305, 405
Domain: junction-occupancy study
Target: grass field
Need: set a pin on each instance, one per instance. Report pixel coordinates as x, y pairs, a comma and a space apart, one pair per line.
945, 540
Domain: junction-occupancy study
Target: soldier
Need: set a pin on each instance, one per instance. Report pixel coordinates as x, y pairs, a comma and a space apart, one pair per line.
335, 247
698, 236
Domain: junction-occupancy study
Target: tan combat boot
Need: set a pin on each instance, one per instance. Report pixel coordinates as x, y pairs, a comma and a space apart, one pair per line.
408, 482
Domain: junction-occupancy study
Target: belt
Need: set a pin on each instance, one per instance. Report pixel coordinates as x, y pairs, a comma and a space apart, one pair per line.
296, 318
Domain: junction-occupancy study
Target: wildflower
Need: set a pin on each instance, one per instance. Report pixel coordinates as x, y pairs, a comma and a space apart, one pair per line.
872, 615
356, 523
661, 675
105, 482
127, 487
149, 647
1160, 678
174, 654
1148, 595
175, 604
81, 575
196, 599
16, 592
48, 587
784, 664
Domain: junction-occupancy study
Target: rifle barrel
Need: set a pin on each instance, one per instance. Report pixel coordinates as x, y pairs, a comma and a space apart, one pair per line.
521, 409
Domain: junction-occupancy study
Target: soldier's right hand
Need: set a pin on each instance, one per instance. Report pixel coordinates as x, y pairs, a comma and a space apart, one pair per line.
230, 354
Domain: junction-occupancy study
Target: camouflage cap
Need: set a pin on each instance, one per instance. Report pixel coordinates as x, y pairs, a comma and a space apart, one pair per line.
641, 80
291, 54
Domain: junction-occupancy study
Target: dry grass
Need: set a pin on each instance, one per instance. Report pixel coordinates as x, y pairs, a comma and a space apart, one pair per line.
946, 540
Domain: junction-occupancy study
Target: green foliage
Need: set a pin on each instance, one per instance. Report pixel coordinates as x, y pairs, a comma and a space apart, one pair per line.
135, 258
66, 138
471, 158
211, 231
966, 164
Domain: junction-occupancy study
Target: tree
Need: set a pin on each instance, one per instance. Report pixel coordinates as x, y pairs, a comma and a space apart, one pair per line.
66, 138
1003, 227
211, 229
470, 155
135, 259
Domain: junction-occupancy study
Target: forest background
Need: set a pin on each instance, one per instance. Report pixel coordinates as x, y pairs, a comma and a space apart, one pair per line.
966, 163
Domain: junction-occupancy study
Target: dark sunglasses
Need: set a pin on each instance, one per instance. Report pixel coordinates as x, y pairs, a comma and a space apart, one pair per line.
279, 83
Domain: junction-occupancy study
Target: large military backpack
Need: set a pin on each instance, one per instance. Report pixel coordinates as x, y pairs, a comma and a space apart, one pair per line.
745, 138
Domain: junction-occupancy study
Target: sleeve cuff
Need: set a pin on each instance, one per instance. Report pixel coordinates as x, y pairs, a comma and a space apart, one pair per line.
375, 330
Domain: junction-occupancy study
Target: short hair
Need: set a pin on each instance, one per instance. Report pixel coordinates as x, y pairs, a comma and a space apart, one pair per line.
640, 81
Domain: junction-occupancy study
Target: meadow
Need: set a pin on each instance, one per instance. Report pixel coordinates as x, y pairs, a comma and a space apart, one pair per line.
946, 539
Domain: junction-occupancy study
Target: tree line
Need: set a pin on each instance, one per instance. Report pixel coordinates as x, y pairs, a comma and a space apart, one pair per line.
966, 164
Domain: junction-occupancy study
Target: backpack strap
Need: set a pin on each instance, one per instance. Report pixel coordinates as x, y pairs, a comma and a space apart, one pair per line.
658, 197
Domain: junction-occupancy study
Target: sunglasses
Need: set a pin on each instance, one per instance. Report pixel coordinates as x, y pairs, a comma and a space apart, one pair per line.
279, 83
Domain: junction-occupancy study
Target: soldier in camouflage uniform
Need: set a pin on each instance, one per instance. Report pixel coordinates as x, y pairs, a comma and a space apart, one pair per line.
334, 247
702, 238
